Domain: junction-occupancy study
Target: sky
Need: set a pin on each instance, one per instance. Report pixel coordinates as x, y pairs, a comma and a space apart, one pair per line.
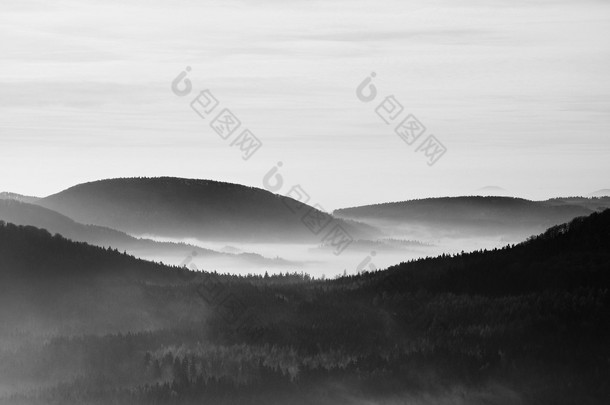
517, 92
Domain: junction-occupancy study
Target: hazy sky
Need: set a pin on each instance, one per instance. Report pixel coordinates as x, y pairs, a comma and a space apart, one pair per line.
518, 92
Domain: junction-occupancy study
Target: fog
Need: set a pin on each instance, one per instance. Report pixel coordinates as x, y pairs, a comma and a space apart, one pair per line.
319, 261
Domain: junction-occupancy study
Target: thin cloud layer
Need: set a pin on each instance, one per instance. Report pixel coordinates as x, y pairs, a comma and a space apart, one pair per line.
510, 88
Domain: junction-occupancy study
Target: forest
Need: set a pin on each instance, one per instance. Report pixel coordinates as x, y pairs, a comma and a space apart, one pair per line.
528, 323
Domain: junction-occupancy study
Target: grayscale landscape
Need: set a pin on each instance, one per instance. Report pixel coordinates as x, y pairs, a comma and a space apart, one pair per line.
304, 202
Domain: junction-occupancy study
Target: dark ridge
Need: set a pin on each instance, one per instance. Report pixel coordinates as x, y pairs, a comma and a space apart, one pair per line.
176, 207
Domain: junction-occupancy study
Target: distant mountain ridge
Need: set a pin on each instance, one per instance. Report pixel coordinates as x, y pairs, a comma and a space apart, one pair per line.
5, 195
490, 215
474, 206
177, 207
21, 213
600, 193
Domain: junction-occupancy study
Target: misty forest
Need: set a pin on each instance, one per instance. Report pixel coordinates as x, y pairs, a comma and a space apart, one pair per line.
85, 320
321, 202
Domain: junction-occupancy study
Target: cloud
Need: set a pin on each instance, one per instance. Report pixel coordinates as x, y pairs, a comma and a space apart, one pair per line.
491, 79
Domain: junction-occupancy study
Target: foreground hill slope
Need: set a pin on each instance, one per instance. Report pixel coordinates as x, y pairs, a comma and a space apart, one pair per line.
566, 257
49, 283
526, 324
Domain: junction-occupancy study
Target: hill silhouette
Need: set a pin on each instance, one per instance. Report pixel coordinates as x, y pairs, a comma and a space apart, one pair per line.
175, 207
474, 215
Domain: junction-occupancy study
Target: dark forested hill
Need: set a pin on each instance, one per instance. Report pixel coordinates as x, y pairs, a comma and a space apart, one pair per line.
566, 257
176, 207
526, 324
29, 252
49, 283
